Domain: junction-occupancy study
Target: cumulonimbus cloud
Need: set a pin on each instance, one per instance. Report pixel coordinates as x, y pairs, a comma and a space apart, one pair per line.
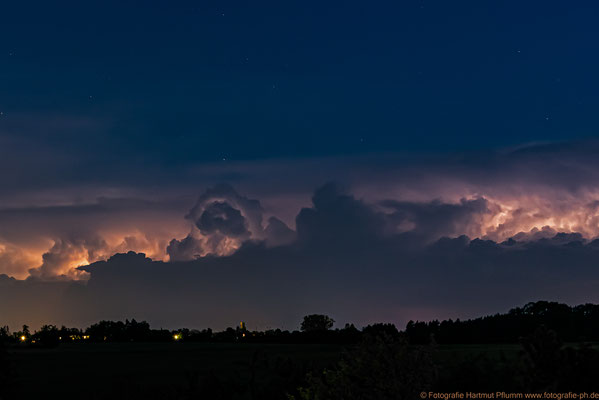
348, 260
527, 193
221, 221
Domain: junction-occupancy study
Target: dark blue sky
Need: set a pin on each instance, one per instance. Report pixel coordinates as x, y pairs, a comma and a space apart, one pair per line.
186, 82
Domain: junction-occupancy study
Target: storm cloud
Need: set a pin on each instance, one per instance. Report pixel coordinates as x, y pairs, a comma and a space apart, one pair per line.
352, 259
221, 221
531, 191
399, 238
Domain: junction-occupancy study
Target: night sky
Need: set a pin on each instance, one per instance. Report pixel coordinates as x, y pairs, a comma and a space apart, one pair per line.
372, 161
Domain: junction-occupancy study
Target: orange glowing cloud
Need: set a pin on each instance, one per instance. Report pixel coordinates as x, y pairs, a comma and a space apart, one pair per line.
520, 215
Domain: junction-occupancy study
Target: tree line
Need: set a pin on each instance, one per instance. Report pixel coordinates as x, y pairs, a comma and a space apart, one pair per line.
572, 324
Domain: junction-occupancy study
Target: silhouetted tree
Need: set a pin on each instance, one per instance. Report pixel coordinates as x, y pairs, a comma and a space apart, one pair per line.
129, 331
418, 332
570, 323
47, 336
381, 329
348, 335
317, 322
66, 334
4, 335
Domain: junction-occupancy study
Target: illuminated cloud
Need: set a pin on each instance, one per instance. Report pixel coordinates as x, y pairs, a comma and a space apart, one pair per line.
14, 261
526, 193
222, 220
51, 241
346, 262
65, 256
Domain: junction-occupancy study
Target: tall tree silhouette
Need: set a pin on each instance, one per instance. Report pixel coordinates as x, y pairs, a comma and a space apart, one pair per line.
317, 322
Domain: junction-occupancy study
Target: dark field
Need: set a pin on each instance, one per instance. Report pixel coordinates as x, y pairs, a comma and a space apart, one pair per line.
155, 370
223, 370
169, 370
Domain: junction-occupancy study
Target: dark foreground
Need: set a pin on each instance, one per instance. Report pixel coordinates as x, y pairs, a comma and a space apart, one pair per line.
164, 370
543, 347
250, 371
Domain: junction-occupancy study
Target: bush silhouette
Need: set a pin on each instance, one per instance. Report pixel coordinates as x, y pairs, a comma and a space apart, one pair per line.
380, 368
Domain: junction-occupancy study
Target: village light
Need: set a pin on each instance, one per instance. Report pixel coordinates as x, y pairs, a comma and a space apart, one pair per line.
176, 336
23, 338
